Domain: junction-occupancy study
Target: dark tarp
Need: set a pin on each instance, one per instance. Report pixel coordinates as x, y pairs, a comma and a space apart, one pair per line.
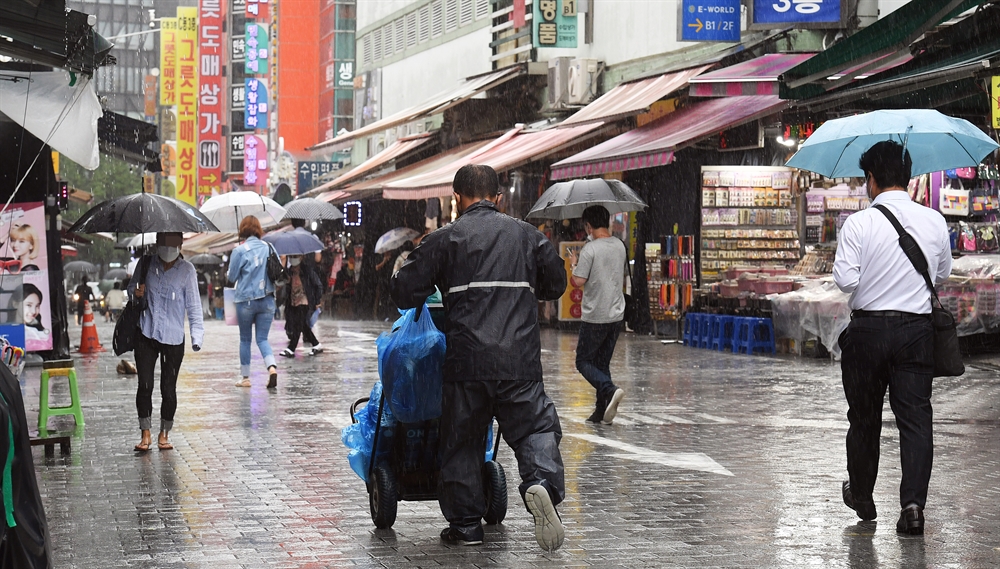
128, 139
43, 31
27, 544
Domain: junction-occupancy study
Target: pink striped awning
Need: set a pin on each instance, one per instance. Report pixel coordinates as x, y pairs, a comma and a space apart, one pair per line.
382, 159
654, 144
759, 76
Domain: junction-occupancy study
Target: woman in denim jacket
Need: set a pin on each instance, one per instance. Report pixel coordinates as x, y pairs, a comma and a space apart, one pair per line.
254, 297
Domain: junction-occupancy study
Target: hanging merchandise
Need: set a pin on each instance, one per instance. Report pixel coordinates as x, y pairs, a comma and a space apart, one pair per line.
966, 238
954, 201
986, 238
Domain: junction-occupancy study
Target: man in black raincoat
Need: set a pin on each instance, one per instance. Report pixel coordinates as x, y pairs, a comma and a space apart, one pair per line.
493, 270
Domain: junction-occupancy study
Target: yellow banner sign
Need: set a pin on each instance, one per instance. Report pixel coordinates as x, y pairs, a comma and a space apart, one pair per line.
168, 61
995, 100
187, 104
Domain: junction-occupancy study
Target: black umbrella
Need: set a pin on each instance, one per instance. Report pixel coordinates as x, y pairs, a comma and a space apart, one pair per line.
311, 209
205, 259
115, 274
80, 267
142, 213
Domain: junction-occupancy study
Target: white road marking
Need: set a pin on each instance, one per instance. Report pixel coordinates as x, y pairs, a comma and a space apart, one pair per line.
686, 460
673, 418
722, 420
640, 418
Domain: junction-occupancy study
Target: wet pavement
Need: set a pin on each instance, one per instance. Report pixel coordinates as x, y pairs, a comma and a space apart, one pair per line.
716, 460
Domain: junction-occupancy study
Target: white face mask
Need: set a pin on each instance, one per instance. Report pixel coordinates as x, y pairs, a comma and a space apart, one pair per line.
294, 261
167, 254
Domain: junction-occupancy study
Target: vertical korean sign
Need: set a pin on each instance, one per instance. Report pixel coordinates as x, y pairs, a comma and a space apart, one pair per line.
995, 100
255, 167
210, 98
554, 23
168, 61
187, 104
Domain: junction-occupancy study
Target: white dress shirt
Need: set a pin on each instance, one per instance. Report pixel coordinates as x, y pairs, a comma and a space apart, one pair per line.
871, 265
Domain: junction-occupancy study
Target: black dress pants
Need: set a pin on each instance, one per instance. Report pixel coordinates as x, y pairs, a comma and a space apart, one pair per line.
297, 324
530, 426
895, 353
147, 351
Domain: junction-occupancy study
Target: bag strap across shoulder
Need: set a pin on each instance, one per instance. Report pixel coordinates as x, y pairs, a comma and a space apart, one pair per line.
628, 268
912, 251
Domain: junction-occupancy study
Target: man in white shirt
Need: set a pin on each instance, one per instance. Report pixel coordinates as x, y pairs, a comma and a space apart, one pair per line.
890, 340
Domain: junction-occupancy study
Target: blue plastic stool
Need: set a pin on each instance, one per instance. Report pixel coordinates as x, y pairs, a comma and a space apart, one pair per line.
723, 333
705, 331
691, 329
755, 335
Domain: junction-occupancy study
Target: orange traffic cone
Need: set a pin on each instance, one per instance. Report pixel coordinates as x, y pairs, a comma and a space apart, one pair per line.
89, 343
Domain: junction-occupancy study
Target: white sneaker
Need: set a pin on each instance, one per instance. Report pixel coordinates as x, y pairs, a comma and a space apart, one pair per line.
612, 408
286, 353
317, 349
549, 531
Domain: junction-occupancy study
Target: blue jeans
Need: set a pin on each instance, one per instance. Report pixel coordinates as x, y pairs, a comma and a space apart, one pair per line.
257, 313
594, 349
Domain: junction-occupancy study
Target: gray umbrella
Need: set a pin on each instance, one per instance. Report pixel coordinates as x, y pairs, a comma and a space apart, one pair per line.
311, 209
80, 267
115, 275
567, 200
205, 259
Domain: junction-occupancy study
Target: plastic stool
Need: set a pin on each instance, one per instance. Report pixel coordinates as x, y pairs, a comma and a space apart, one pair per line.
755, 335
44, 411
705, 331
723, 333
691, 329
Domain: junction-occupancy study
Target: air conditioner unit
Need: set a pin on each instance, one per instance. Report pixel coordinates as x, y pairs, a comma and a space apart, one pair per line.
558, 81
581, 81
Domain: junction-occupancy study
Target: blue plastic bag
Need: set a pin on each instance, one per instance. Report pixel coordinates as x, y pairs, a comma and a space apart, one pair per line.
314, 317
360, 436
410, 360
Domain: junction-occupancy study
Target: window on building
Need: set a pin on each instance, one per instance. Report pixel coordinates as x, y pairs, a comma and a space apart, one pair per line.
387, 37
366, 49
482, 9
377, 41
424, 20
467, 14
437, 19
450, 15
399, 27
411, 29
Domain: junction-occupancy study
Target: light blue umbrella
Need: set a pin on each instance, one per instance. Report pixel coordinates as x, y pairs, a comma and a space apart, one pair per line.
295, 242
394, 239
935, 142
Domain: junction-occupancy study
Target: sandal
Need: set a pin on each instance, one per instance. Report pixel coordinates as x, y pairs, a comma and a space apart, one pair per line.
142, 447
165, 446
245, 382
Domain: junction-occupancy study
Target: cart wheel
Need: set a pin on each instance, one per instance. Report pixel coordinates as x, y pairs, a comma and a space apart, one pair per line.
382, 499
495, 486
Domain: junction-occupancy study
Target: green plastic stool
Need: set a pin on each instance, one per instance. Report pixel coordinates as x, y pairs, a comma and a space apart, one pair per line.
44, 411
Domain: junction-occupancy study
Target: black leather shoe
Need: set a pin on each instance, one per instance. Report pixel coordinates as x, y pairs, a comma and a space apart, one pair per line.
911, 520
865, 510
463, 537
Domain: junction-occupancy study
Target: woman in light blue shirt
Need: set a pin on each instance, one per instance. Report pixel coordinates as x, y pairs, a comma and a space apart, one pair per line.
254, 298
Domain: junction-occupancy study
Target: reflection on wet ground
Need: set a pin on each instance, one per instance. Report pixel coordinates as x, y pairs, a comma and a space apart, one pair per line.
715, 461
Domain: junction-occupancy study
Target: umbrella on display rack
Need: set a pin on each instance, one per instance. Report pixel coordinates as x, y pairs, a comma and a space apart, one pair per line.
567, 200
115, 274
394, 239
935, 142
311, 209
227, 210
295, 242
206, 259
141, 213
80, 267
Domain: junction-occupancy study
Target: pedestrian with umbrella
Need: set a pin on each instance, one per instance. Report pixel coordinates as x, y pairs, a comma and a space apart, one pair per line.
82, 295
227, 211
166, 289
169, 287
254, 297
304, 292
889, 257
600, 270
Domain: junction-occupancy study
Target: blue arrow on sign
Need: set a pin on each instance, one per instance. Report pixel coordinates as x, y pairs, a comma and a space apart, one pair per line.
710, 20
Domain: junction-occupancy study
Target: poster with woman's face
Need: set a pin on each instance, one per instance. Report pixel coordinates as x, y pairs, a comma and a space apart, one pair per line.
23, 252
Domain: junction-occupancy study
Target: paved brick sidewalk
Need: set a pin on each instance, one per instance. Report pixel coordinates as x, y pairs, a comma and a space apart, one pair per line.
716, 461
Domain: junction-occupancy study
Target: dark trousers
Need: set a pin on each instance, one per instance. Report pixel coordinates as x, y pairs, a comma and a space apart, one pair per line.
297, 324
594, 349
895, 353
529, 424
147, 351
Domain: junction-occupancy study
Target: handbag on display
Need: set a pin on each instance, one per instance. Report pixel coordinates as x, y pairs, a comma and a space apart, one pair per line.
127, 327
631, 304
947, 356
275, 270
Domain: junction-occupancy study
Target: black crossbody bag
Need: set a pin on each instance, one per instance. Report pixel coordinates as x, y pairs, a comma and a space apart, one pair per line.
947, 356
127, 327
631, 306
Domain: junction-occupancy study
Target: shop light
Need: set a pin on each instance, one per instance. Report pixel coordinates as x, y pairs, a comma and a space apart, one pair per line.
789, 142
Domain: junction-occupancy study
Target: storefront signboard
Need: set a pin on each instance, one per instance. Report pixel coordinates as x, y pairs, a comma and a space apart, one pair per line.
815, 14
256, 46
553, 23
995, 100
210, 97
255, 91
23, 254
309, 172
255, 166
168, 61
187, 104
709, 20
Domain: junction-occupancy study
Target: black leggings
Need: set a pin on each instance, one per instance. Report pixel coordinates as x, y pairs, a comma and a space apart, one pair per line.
146, 353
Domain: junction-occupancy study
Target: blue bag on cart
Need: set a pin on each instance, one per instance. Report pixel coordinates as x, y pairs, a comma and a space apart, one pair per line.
360, 436
410, 362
